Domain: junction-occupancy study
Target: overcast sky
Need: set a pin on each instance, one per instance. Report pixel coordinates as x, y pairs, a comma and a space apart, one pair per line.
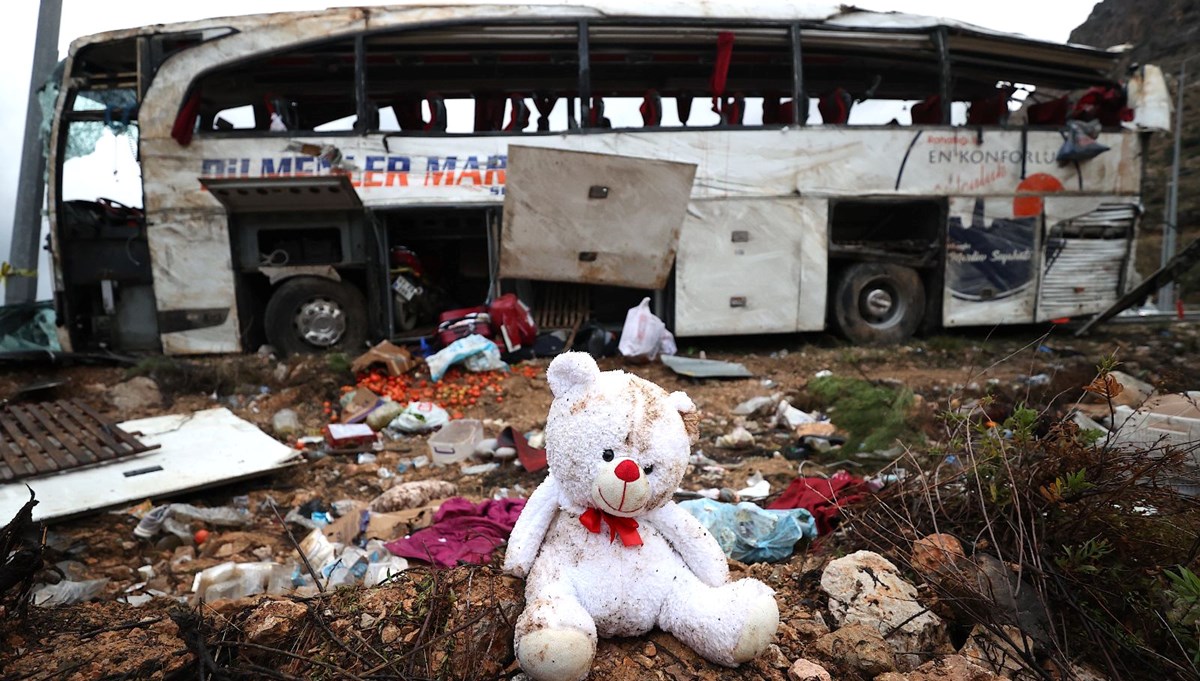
1041, 19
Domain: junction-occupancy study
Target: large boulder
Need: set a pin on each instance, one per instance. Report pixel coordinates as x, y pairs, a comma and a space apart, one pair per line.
866, 588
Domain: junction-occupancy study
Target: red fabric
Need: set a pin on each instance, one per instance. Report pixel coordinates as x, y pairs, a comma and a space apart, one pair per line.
720, 74
822, 497
462, 532
626, 528
627, 471
721, 64
185, 121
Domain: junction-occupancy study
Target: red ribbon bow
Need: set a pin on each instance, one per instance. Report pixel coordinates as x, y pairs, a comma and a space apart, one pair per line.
626, 528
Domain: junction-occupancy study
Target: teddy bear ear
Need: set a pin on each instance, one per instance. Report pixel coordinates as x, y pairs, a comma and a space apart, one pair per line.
681, 403
571, 369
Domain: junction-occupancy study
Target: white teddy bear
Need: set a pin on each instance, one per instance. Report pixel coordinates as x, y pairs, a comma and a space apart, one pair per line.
604, 548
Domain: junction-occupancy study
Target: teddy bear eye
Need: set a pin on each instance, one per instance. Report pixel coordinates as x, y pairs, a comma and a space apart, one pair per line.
648, 469
608, 455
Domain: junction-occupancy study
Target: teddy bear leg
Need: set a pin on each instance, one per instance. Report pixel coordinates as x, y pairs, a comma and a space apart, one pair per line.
555, 636
729, 624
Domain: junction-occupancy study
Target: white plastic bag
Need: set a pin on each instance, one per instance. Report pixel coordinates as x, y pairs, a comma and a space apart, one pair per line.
642, 336
420, 417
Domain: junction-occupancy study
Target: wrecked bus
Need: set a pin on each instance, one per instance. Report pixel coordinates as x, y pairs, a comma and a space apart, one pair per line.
317, 180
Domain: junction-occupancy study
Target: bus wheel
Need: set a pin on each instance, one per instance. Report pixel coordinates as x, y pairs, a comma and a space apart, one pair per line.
878, 303
307, 314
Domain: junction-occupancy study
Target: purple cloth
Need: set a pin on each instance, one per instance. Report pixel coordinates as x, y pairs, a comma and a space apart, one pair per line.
462, 532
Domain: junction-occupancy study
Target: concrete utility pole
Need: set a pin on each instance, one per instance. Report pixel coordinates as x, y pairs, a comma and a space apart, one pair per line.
1166, 295
27, 216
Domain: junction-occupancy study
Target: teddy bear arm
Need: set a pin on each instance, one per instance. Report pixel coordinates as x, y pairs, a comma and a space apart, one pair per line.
530, 529
693, 542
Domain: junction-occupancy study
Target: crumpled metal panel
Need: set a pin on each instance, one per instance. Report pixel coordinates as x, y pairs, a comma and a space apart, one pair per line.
592, 218
1084, 258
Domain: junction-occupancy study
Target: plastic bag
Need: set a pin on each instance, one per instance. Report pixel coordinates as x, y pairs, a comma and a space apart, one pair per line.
67, 592
642, 335
465, 350
1080, 143
419, 417
750, 533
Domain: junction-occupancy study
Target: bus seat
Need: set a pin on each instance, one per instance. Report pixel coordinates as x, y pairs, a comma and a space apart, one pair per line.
489, 113
437, 114
1105, 104
544, 104
596, 117
1051, 112
518, 120
835, 106
732, 110
772, 111
408, 114
928, 111
651, 109
989, 110
683, 107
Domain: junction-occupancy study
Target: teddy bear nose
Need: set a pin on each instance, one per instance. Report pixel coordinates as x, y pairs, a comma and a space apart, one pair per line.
627, 471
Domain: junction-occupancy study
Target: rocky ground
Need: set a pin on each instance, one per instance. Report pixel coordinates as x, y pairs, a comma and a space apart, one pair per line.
457, 623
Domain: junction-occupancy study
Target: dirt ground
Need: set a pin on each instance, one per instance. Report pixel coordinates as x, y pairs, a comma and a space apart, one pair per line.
1036, 366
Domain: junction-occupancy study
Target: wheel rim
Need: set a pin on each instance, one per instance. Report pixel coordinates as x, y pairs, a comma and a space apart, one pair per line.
320, 322
880, 304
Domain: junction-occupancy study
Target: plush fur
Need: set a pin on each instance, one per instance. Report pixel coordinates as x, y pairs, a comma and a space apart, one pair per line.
604, 432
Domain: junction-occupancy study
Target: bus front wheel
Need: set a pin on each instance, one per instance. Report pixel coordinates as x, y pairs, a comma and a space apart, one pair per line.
878, 303
307, 314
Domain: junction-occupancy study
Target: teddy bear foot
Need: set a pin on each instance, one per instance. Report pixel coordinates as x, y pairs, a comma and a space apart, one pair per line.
556, 654
758, 631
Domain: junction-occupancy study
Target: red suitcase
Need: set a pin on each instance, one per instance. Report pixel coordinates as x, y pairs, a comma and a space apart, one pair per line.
456, 324
513, 323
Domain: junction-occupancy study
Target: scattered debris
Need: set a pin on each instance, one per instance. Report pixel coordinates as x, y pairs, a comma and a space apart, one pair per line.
749, 533
705, 368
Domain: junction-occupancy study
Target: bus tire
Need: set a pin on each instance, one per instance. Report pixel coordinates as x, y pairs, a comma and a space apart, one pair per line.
310, 314
878, 303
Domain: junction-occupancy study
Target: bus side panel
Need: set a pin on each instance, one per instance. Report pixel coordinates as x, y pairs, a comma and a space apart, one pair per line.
193, 276
991, 271
751, 266
1088, 244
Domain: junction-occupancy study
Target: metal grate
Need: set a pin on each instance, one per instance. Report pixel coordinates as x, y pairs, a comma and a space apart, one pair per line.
48, 437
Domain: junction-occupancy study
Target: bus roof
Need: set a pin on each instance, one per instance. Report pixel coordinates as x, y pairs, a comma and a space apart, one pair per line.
835, 17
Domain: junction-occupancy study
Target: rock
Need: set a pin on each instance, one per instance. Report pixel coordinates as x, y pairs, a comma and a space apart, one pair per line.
936, 553
649, 650
866, 588
280, 372
285, 423
951, 668
858, 646
997, 652
774, 657
389, 634
136, 394
891, 676
274, 621
803, 670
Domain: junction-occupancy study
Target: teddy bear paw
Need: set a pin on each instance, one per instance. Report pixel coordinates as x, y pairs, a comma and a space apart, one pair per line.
556, 654
758, 631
